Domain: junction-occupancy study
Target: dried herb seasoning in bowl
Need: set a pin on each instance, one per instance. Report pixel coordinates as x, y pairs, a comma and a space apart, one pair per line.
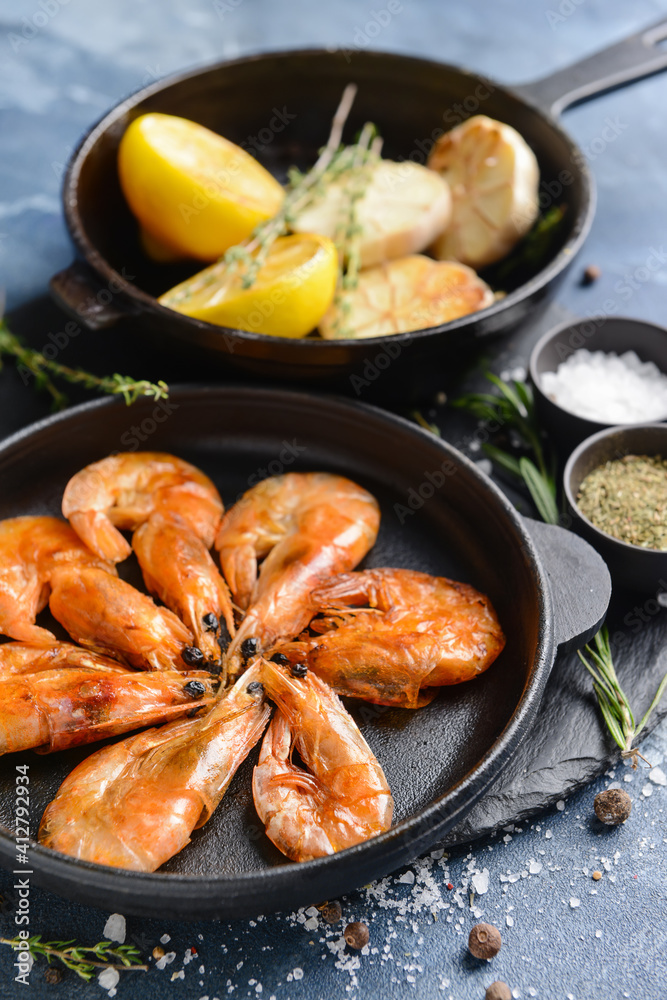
627, 498
615, 483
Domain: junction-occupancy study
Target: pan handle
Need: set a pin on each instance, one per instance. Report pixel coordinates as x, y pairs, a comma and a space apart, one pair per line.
579, 580
80, 293
637, 56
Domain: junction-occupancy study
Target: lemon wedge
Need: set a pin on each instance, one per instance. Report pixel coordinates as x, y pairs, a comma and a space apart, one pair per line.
194, 193
291, 293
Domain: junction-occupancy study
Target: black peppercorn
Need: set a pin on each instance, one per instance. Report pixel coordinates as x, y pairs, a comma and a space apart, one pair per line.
249, 647
195, 689
356, 934
280, 658
484, 941
254, 688
211, 623
193, 656
613, 806
498, 991
53, 976
299, 669
332, 912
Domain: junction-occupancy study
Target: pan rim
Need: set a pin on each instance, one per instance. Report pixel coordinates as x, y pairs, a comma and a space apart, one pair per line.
224, 887
141, 302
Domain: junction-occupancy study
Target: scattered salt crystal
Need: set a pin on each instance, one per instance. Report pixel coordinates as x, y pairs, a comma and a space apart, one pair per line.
165, 960
311, 924
480, 882
608, 388
408, 878
598, 934
108, 980
535, 867
574, 903
509, 920
548, 835
297, 973
165, 938
628, 777
507, 838
115, 928
560, 805
647, 790
177, 975
657, 776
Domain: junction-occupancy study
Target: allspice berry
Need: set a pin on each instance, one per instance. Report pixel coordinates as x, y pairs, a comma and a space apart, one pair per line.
356, 934
591, 274
498, 991
612, 806
332, 912
484, 941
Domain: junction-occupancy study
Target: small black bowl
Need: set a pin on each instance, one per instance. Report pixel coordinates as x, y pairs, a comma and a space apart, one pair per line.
631, 566
597, 333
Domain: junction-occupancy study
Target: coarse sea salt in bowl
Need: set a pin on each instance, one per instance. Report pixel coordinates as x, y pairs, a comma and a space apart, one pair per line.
599, 372
633, 566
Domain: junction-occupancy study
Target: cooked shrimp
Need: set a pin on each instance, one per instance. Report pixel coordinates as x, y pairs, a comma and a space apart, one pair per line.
28, 658
343, 798
123, 490
178, 568
57, 709
308, 526
31, 548
135, 804
419, 632
109, 616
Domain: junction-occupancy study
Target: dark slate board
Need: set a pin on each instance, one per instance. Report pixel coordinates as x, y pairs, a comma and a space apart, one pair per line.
568, 745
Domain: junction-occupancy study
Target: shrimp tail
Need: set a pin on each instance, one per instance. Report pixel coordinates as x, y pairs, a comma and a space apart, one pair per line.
96, 530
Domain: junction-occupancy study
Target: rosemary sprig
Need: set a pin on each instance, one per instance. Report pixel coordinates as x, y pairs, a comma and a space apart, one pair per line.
613, 701
33, 362
531, 253
76, 957
514, 410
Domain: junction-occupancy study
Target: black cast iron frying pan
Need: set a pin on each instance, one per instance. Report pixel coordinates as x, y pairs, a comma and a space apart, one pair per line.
440, 515
411, 100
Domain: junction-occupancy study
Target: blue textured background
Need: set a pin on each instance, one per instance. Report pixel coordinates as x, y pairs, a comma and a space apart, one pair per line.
82, 59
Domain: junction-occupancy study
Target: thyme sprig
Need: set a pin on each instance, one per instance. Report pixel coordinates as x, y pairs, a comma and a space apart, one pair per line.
44, 370
613, 701
363, 157
82, 959
514, 410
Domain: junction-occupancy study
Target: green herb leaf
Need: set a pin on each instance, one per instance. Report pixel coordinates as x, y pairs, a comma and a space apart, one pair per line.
614, 703
543, 497
503, 459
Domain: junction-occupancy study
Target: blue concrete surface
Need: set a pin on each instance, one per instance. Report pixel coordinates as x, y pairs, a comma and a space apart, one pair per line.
61, 65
